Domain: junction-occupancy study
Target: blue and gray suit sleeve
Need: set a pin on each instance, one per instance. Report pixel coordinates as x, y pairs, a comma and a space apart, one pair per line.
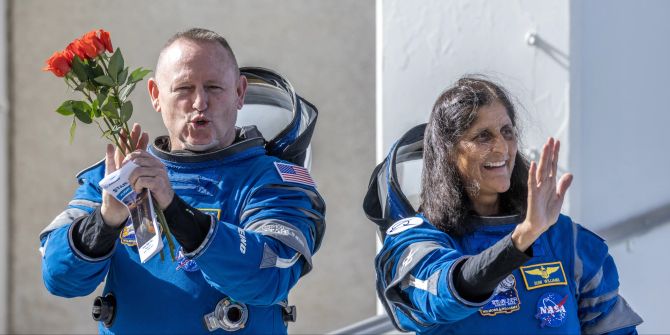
601, 309
415, 279
281, 226
67, 271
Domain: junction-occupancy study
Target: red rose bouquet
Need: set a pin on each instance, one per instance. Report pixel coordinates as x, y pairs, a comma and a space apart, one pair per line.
91, 66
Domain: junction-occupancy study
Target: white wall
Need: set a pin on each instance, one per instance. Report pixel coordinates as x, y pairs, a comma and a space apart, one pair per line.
620, 80
596, 79
643, 272
621, 54
430, 44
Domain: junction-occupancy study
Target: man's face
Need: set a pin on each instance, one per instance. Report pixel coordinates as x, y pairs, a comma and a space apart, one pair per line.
197, 91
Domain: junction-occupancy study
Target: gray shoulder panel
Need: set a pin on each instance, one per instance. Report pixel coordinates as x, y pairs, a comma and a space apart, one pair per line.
285, 233
65, 218
621, 316
410, 257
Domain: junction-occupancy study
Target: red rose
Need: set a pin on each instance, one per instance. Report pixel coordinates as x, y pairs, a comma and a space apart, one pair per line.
91, 39
69, 55
106, 40
59, 63
75, 49
84, 49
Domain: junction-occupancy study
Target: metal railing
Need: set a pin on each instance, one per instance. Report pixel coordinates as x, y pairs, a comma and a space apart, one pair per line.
636, 225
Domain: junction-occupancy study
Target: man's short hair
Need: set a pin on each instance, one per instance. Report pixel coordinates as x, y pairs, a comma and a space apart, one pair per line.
202, 35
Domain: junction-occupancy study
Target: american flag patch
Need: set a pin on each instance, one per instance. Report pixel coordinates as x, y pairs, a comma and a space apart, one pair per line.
294, 174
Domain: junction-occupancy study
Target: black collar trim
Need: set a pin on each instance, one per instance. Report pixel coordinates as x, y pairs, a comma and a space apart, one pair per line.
245, 138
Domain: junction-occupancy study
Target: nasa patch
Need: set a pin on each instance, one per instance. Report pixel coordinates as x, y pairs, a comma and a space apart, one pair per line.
551, 310
184, 263
404, 224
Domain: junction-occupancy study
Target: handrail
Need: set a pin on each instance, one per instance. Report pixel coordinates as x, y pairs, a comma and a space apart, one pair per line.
636, 225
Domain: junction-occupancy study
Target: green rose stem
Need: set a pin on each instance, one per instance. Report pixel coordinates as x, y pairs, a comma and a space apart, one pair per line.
113, 126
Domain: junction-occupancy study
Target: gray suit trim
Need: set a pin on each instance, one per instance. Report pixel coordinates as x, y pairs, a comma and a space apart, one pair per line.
206, 241
271, 260
316, 200
410, 257
429, 285
65, 218
592, 302
621, 316
454, 292
579, 265
593, 283
285, 233
81, 254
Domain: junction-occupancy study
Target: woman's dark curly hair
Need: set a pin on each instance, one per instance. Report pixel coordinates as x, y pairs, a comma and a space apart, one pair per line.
444, 200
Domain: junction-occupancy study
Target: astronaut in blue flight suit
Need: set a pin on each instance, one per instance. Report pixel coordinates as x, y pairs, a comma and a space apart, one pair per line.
487, 251
246, 223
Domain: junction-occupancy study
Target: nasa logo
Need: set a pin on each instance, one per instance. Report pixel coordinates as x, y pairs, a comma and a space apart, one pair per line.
403, 225
551, 310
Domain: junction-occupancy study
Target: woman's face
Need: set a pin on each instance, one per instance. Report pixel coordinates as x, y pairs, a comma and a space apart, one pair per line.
486, 152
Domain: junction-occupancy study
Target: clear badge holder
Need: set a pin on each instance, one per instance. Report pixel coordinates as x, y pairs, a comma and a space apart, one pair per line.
140, 206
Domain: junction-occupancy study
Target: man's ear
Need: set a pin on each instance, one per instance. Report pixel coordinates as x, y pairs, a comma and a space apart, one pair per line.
152, 85
241, 91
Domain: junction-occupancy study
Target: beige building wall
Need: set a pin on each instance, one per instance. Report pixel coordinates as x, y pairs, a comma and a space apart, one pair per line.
325, 48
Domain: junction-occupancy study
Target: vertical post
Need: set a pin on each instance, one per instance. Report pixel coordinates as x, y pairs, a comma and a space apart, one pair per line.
379, 99
4, 170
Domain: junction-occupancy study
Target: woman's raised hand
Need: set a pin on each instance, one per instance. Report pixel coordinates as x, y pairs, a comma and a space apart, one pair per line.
545, 196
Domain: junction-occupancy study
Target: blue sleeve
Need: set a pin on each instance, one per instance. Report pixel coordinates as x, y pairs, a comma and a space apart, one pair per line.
601, 309
281, 226
66, 271
415, 279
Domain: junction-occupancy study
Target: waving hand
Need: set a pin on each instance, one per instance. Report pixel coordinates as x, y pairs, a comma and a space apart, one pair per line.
545, 196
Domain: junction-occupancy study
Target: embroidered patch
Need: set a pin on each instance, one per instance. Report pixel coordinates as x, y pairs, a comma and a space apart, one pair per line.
544, 274
184, 263
294, 174
127, 235
551, 310
211, 211
404, 224
506, 300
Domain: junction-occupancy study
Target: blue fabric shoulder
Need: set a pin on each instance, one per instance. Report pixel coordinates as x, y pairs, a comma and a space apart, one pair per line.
88, 182
415, 229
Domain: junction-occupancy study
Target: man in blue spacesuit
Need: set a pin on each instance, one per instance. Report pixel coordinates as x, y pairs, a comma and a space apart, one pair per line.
246, 224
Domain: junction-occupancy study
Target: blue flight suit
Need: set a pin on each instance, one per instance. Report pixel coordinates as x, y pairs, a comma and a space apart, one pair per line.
266, 228
570, 286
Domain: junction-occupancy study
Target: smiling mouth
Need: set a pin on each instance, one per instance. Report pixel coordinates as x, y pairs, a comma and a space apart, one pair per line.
494, 165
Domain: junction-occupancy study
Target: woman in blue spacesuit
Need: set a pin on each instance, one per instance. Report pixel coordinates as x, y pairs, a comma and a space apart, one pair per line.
489, 251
